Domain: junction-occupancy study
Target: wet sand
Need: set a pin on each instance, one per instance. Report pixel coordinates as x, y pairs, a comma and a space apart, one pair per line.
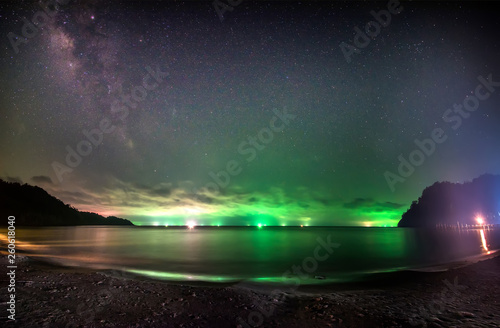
54, 296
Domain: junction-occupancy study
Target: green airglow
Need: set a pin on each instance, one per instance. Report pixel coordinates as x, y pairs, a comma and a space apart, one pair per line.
272, 212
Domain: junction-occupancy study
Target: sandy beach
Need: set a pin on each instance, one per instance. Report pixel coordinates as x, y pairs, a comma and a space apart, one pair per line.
52, 296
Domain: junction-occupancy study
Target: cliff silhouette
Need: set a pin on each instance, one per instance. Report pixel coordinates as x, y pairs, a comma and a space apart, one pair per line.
449, 203
33, 206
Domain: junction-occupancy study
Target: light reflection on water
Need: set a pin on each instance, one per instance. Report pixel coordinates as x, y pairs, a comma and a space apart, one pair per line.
484, 243
223, 254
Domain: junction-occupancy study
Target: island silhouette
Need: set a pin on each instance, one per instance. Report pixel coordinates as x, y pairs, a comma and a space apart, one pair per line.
33, 206
456, 204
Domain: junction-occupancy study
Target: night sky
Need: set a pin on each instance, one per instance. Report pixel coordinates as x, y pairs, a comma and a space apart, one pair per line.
139, 110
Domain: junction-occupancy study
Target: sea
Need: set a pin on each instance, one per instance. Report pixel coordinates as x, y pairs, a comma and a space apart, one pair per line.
306, 255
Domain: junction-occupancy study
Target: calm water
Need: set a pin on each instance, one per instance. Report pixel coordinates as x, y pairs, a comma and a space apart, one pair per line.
224, 254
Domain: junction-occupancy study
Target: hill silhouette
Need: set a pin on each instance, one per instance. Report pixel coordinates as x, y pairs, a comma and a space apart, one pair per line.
33, 206
449, 203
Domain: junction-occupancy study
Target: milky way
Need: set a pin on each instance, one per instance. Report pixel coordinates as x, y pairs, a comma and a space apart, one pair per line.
163, 114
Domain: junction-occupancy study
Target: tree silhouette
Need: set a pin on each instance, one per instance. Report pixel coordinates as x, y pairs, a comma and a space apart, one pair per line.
451, 203
33, 206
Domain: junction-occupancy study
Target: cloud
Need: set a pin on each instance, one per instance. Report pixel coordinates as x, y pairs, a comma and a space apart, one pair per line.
42, 179
168, 203
359, 202
371, 204
163, 189
13, 179
391, 205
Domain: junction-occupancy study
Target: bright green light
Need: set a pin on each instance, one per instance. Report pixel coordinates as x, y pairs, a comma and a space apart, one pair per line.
181, 277
259, 225
261, 212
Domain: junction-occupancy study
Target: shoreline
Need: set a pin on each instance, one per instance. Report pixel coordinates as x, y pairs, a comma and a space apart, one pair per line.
54, 296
